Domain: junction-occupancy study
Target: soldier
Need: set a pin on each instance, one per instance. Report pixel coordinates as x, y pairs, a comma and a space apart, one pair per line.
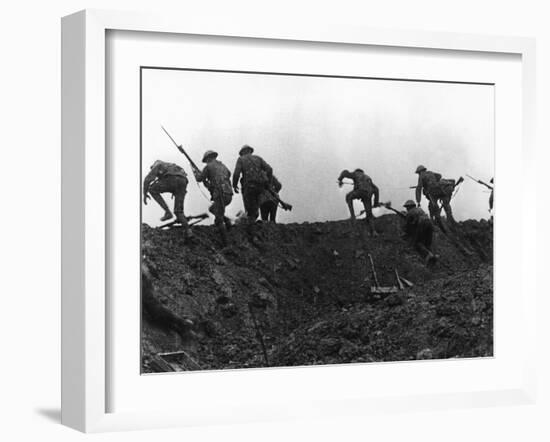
491, 196
419, 229
256, 176
157, 313
435, 190
268, 203
216, 177
167, 177
363, 189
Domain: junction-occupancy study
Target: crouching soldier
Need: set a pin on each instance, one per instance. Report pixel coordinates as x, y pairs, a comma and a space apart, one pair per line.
256, 176
216, 177
268, 202
167, 178
419, 229
435, 190
363, 189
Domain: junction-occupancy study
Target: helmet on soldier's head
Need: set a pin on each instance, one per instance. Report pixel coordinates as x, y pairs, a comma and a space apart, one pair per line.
246, 148
420, 168
156, 163
359, 170
409, 203
208, 154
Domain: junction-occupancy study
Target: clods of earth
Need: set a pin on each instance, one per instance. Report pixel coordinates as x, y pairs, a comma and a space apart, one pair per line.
301, 294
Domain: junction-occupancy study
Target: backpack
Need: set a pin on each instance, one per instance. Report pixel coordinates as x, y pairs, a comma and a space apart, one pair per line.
253, 174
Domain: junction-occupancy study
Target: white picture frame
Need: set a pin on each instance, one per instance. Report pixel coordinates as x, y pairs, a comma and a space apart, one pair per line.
84, 218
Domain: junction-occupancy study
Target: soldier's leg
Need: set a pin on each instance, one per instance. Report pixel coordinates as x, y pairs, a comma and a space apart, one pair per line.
180, 190
155, 191
349, 201
218, 210
435, 212
370, 217
253, 202
264, 211
226, 200
273, 213
446, 203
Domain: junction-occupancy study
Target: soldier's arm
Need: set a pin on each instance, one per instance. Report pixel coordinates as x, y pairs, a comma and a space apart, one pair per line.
419, 189
267, 168
345, 174
201, 175
376, 194
237, 174
277, 186
153, 173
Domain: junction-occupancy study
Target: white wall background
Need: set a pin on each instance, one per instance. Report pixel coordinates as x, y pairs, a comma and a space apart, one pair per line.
30, 221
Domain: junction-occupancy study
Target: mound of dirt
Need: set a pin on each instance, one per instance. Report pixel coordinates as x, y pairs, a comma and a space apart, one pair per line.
299, 294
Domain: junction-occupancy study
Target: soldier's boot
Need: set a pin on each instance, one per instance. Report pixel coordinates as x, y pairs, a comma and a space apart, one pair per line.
187, 232
351, 210
220, 224
160, 201
372, 230
449, 212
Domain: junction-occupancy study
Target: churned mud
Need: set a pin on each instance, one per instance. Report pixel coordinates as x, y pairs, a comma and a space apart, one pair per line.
300, 294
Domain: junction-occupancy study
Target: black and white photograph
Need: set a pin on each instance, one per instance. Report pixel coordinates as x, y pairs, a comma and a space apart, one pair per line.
302, 219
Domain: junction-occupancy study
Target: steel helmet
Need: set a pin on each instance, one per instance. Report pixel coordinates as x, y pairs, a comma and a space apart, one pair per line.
409, 203
157, 163
359, 170
245, 148
420, 168
208, 154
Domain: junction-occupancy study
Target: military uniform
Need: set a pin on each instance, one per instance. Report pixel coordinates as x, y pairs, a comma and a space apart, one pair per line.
216, 177
167, 178
435, 189
363, 189
268, 203
256, 175
491, 196
419, 228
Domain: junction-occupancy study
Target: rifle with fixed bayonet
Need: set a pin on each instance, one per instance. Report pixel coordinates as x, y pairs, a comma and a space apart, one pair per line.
389, 207
480, 182
182, 150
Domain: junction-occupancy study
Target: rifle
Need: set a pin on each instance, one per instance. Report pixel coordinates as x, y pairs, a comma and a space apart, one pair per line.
284, 206
480, 182
389, 207
182, 150
196, 219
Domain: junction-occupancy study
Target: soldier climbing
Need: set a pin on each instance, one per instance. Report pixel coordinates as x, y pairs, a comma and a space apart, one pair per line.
216, 177
256, 177
363, 189
167, 178
436, 190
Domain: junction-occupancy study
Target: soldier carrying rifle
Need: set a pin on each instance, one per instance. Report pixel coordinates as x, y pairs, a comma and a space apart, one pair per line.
489, 186
418, 228
436, 189
216, 177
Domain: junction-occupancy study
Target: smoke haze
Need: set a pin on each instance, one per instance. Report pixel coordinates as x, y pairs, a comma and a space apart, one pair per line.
311, 128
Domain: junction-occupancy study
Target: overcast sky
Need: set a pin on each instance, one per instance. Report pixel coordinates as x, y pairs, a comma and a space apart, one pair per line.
311, 128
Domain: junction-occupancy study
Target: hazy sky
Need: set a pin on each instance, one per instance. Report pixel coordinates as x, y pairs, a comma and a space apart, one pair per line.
310, 128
